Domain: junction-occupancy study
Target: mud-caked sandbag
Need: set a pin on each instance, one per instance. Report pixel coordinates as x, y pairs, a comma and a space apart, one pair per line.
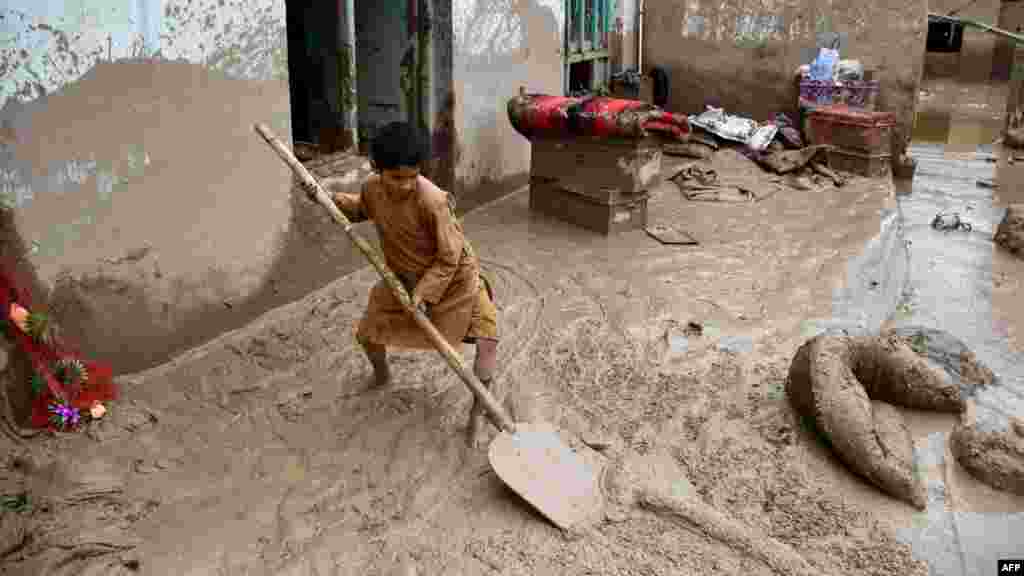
892, 371
949, 356
849, 386
869, 437
1010, 234
1014, 138
996, 457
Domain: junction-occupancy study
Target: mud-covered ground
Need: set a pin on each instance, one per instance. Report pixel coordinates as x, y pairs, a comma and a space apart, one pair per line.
262, 453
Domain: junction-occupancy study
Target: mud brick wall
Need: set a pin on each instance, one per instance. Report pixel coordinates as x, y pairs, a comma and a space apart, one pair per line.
743, 56
982, 56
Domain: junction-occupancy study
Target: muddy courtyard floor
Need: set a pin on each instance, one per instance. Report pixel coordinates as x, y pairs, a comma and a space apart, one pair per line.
263, 453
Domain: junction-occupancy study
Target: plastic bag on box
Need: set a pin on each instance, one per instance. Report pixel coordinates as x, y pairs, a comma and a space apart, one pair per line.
762, 137
823, 67
849, 71
734, 128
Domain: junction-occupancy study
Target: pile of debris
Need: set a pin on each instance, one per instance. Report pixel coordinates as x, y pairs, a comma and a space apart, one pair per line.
837, 128
733, 153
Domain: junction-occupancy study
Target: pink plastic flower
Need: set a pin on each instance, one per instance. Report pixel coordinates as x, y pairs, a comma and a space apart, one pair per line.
19, 315
97, 411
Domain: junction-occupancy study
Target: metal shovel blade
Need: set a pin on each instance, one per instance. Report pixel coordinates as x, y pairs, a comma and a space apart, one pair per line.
537, 465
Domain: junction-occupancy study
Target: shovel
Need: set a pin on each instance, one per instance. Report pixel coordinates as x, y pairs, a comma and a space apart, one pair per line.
529, 458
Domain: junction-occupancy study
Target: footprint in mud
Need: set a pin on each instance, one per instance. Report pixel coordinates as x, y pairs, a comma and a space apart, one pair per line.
124, 420
73, 518
150, 466
295, 404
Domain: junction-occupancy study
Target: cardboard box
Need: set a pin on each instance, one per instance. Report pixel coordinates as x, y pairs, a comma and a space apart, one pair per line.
603, 170
547, 197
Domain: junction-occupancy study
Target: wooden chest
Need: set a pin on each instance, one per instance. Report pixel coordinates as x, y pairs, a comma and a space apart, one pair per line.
610, 217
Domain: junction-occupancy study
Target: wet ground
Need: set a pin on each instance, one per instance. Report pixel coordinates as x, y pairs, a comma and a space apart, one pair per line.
261, 452
958, 281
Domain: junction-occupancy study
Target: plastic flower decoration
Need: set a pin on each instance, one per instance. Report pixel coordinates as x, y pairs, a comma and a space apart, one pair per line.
64, 415
38, 327
71, 371
37, 384
97, 411
19, 315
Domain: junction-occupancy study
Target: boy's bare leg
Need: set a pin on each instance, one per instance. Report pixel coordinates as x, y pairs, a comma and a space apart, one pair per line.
377, 354
484, 368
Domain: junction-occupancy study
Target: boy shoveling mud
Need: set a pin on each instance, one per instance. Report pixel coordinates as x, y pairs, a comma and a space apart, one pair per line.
424, 245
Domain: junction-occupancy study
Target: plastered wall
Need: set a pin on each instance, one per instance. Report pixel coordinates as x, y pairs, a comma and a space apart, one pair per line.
743, 54
137, 196
499, 46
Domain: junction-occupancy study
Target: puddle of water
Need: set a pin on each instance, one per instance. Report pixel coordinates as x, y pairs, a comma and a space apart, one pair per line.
951, 288
678, 344
737, 344
931, 127
959, 134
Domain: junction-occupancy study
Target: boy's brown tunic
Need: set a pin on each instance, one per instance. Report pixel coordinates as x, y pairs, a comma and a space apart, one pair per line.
424, 246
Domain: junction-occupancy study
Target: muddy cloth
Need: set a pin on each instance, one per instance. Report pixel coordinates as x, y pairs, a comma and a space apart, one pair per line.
790, 160
424, 246
728, 176
541, 116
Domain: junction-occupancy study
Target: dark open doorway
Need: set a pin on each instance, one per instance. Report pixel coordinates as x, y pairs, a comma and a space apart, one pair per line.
312, 41
403, 65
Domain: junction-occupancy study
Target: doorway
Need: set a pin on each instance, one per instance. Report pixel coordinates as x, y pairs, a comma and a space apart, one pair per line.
313, 34
403, 61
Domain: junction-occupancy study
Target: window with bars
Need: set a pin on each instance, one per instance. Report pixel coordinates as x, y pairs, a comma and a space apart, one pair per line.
586, 44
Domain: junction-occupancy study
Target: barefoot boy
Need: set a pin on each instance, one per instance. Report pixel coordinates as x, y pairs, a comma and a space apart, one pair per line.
424, 246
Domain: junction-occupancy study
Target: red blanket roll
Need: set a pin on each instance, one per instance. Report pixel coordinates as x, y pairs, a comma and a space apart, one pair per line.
543, 116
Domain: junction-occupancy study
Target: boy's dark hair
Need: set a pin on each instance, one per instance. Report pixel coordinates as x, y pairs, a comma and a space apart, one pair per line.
398, 145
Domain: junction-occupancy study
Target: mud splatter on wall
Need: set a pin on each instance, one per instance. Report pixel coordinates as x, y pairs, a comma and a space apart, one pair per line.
500, 45
127, 156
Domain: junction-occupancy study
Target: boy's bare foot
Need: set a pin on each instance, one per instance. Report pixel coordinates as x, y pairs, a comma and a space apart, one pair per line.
378, 357
379, 379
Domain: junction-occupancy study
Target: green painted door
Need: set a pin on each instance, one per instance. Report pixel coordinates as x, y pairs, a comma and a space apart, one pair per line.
587, 26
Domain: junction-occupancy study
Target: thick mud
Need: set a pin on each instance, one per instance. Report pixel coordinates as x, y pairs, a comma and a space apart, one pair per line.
629, 347
996, 458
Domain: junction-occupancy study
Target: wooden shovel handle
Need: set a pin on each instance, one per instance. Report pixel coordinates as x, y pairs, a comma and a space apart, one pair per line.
450, 355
